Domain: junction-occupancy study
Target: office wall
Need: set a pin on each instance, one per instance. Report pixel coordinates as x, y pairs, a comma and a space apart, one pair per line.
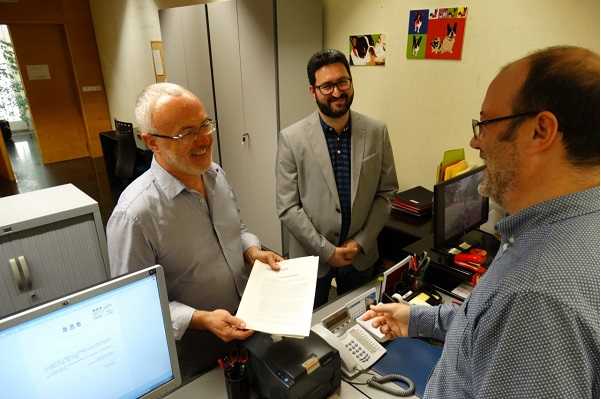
428, 105
124, 30
295, 45
75, 16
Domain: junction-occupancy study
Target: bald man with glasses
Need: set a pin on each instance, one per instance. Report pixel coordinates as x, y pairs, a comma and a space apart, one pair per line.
530, 328
182, 214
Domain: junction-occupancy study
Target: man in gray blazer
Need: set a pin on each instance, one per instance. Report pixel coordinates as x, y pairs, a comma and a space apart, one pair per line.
334, 175
182, 214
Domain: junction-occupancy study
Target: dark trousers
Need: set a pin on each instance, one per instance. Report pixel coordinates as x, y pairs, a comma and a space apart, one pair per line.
198, 352
347, 278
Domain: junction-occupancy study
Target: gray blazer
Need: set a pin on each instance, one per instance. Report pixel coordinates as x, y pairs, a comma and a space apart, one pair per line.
307, 198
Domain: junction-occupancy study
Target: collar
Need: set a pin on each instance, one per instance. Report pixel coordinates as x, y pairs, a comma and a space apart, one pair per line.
549, 212
171, 185
330, 130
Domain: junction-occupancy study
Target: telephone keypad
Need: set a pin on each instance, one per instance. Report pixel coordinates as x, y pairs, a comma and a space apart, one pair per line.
358, 351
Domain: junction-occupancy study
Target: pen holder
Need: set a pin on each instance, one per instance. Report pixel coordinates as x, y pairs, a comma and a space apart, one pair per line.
236, 382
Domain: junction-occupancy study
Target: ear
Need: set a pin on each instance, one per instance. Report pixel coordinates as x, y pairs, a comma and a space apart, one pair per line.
312, 90
150, 141
546, 132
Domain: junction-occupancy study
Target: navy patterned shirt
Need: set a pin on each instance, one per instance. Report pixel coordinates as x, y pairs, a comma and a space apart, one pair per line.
339, 147
530, 328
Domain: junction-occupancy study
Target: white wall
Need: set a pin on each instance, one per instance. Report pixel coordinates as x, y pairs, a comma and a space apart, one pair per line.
124, 30
427, 104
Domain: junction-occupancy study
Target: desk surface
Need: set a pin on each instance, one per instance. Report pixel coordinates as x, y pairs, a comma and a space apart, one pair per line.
212, 385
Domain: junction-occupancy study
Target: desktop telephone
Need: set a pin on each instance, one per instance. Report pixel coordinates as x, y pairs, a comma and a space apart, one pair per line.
358, 350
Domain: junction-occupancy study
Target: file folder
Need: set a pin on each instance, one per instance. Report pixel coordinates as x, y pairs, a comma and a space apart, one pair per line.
411, 357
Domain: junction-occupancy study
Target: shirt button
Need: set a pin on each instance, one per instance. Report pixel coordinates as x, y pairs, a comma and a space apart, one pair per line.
511, 240
338, 152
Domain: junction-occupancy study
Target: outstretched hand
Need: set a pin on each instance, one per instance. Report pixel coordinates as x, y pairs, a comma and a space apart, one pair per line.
221, 323
268, 257
391, 318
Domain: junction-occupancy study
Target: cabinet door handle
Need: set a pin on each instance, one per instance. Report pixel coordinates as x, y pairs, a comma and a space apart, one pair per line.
20, 272
16, 270
25, 271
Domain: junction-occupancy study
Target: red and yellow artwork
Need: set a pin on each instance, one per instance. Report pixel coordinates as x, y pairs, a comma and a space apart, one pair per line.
436, 33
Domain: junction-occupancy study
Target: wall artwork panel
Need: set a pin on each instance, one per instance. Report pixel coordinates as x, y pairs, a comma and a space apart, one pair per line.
436, 33
367, 50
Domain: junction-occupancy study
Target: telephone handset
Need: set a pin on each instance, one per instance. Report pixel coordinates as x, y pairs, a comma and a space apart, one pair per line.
358, 350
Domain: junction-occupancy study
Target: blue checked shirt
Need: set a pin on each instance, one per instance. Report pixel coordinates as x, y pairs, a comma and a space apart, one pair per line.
339, 147
530, 328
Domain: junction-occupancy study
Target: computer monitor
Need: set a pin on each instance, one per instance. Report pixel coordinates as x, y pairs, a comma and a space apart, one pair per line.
458, 208
392, 277
112, 340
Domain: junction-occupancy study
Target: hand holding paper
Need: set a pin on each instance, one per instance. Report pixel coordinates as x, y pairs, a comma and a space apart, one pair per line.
280, 302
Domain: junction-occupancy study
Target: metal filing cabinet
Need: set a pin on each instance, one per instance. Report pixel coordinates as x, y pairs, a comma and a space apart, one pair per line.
51, 243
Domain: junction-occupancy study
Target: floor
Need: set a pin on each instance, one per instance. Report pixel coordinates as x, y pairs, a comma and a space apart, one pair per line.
87, 174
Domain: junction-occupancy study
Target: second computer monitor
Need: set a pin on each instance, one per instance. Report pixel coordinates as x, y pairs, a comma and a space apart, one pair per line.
458, 207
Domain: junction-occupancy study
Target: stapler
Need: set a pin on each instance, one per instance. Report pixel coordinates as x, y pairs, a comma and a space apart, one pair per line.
472, 260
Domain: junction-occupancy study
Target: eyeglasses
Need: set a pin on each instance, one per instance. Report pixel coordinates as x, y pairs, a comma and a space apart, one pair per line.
205, 129
328, 88
476, 123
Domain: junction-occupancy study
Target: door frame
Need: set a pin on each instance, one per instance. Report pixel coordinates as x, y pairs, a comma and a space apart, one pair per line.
72, 73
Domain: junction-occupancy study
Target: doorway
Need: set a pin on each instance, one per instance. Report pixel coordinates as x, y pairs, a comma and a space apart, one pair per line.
15, 117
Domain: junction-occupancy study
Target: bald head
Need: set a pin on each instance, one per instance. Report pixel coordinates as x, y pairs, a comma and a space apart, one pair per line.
564, 81
155, 97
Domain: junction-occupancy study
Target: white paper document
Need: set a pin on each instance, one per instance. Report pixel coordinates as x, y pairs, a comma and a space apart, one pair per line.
280, 302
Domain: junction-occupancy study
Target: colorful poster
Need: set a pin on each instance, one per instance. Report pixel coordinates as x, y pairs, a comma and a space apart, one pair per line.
367, 50
436, 33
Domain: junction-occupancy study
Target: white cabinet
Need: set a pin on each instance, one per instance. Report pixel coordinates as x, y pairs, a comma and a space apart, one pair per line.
51, 243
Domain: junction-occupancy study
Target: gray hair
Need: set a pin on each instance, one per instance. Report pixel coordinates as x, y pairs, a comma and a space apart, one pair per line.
148, 98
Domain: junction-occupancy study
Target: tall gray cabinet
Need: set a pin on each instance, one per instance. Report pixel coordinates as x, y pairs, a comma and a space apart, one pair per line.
246, 59
52, 242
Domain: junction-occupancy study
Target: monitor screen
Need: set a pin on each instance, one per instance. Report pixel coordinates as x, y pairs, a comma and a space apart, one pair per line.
110, 341
458, 207
393, 277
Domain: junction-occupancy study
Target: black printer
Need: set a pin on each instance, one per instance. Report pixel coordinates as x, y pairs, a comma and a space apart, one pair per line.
293, 368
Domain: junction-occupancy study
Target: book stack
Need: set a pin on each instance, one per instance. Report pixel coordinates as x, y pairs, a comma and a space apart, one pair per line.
416, 201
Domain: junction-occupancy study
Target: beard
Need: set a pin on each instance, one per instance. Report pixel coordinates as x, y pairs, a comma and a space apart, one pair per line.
327, 109
501, 175
184, 165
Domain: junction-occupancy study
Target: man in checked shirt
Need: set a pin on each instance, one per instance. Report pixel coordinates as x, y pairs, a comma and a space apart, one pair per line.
530, 328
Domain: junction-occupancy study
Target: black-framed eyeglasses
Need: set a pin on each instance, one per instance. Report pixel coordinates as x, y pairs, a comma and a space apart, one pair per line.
328, 87
205, 129
476, 123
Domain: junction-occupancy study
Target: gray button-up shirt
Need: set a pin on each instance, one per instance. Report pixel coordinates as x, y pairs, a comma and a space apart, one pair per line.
200, 244
530, 328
